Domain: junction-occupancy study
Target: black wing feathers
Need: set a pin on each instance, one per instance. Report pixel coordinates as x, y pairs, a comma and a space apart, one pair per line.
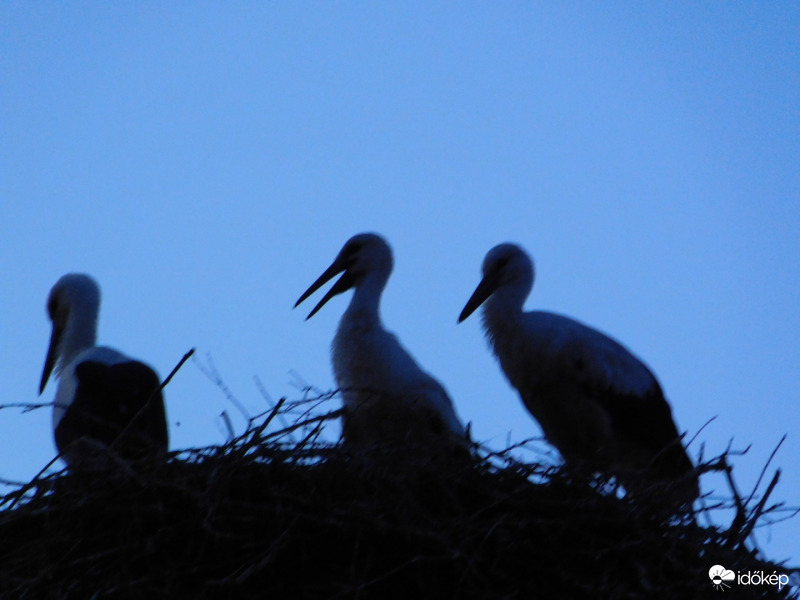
119, 406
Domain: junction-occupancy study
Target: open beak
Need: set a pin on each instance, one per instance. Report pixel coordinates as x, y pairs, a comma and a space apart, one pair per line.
52, 355
485, 289
345, 282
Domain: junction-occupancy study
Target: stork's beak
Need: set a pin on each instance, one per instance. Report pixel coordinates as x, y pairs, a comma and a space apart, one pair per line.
485, 288
344, 283
52, 355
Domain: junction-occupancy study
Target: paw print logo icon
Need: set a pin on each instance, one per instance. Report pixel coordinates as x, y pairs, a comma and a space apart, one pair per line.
720, 576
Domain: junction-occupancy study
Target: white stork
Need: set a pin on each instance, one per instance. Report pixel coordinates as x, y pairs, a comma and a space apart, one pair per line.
596, 402
386, 395
103, 397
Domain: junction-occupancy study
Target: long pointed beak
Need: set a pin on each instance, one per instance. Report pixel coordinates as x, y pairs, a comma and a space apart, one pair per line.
344, 283
52, 355
485, 289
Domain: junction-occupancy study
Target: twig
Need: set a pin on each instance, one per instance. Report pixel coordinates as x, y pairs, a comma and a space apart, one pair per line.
272, 414
755, 514
699, 431
764, 470
155, 394
266, 397
212, 373
26, 406
228, 425
329, 415
33, 482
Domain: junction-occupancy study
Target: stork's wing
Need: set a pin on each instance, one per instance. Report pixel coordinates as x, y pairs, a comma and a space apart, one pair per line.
440, 402
633, 399
112, 400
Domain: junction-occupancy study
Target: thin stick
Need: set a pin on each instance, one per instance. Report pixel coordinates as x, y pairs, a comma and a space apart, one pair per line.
33, 481
756, 514
741, 512
212, 373
328, 415
228, 425
270, 417
764, 470
186, 357
26, 406
266, 397
699, 431
152, 397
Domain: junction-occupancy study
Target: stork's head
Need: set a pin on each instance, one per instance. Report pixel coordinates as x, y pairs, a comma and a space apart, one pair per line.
365, 257
508, 270
72, 306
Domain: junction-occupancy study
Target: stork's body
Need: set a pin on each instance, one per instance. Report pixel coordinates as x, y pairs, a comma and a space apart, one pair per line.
596, 402
386, 395
103, 398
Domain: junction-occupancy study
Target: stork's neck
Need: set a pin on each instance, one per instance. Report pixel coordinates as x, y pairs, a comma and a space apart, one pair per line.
80, 332
502, 311
365, 302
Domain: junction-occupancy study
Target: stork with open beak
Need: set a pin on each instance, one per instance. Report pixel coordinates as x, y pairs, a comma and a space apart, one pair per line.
386, 395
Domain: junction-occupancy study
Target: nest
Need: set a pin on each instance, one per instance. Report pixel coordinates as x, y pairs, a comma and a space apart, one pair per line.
279, 512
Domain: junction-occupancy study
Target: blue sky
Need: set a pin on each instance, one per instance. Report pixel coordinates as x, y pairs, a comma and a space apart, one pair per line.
206, 161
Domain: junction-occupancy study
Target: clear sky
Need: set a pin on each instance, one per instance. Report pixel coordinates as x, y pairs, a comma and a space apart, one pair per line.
206, 161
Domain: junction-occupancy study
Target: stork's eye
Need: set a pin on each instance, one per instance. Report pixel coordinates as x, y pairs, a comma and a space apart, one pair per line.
501, 264
354, 248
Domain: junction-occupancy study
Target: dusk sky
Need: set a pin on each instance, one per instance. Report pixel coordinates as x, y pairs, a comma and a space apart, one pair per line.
206, 161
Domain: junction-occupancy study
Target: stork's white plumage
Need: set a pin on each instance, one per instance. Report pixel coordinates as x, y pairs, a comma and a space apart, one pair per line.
596, 402
103, 397
386, 395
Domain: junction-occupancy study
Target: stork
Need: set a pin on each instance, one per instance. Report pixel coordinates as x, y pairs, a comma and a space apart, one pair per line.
103, 397
386, 395
596, 402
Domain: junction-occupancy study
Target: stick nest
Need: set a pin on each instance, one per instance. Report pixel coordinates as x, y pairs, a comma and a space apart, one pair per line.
279, 513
